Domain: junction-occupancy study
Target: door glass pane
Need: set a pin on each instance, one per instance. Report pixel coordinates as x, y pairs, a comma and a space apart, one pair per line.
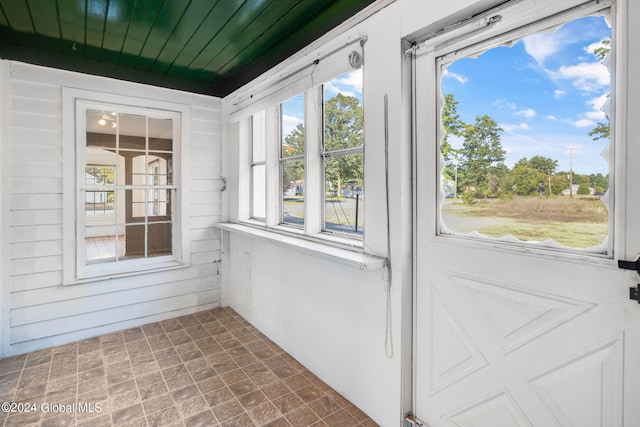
524, 129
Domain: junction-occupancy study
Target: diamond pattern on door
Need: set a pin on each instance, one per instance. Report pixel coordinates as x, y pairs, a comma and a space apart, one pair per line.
587, 389
516, 315
454, 354
500, 409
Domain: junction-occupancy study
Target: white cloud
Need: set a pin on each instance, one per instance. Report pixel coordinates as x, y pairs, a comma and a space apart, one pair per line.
599, 102
504, 103
349, 85
541, 45
513, 128
289, 123
459, 77
559, 93
529, 112
595, 115
585, 76
583, 123
550, 117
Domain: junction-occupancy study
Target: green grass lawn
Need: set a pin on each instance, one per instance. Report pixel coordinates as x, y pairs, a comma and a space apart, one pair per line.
578, 222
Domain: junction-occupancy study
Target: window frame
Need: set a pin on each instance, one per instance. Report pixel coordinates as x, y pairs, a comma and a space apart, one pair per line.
256, 163
516, 22
75, 104
313, 158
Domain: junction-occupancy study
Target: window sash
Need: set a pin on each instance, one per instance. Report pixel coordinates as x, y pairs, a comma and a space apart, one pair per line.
85, 269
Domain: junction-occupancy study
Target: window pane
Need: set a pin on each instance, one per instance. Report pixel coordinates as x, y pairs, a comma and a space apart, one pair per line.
258, 137
258, 194
293, 192
292, 126
524, 129
343, 114
160, 134
159, 239
344, 195
101, 129
135, 242
133, 131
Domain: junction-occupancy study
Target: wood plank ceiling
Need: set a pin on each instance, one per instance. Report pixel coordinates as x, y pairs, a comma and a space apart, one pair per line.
204, 46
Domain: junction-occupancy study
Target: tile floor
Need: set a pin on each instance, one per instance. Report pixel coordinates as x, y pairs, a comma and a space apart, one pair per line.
207, 369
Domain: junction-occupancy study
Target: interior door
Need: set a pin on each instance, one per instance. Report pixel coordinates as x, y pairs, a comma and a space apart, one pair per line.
513, 334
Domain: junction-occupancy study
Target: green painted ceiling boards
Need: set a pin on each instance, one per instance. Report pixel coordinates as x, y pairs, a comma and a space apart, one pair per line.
204, 46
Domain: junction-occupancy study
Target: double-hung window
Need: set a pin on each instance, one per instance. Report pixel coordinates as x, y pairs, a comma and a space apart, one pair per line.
258, 167
311, 178
128, 182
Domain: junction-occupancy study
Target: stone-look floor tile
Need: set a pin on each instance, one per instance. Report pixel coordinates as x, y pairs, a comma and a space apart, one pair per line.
185, 393
302, 417
128, 414
227, 410
341, 419
324, 406
210, 384
203, 419
209, 369
12, 364
101, 421
164, 417
149, 379
219, 396
123, 400
278, 422
308, 394
150, 391
193, 406
253, 399
177, 383
242, 420
264, 413
9, 382
157, 403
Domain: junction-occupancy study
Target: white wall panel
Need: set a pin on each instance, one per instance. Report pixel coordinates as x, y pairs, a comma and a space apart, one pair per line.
43, 311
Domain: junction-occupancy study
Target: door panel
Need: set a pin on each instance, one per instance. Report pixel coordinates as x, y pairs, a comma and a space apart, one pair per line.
509, 334
519, 340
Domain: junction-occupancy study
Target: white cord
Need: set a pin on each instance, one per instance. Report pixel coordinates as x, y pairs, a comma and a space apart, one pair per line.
388, 339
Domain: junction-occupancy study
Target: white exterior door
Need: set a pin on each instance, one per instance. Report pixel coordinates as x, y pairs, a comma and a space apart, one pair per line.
507, 334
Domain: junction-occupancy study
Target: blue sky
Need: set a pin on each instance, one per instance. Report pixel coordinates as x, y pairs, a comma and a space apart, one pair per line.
546, 92
349, 84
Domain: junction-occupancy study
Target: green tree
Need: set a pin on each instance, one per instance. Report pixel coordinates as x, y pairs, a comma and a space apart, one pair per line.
343, 128
583, 189
481, 152
526, 180
602, 129
293, 146
452, 126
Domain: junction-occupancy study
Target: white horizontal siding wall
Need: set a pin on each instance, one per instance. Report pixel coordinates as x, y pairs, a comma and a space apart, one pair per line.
41, 311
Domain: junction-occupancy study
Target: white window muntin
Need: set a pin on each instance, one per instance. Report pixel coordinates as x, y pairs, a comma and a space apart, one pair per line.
84, 270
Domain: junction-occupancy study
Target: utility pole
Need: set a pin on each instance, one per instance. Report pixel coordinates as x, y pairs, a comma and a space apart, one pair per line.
571, 171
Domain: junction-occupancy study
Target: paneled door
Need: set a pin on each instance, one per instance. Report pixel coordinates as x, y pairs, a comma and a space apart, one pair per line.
513, 330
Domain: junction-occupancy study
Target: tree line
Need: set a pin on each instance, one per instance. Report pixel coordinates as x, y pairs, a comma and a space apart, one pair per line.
478, 166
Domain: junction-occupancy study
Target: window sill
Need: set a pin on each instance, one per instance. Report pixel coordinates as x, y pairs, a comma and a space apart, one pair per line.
152, 268
317, 249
